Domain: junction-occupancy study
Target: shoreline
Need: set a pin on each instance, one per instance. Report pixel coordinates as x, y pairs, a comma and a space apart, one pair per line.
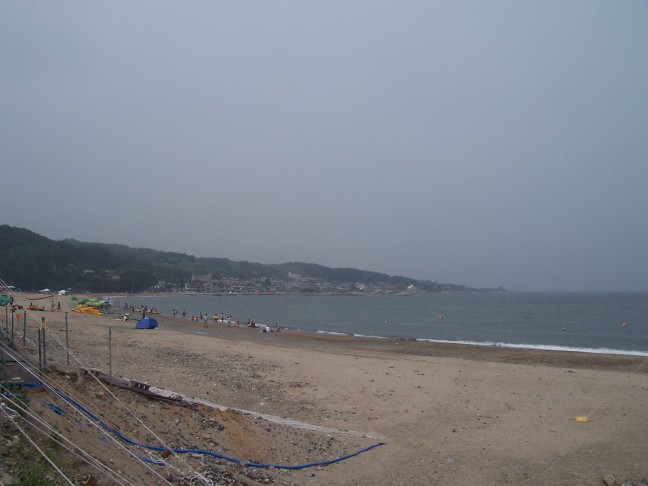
529, 347
624, 360
623, 348
354, 344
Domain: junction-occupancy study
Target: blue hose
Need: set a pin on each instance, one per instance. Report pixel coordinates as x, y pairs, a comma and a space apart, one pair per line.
13, 396
216, 455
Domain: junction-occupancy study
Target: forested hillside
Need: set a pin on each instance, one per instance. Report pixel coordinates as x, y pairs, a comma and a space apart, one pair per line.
32, 262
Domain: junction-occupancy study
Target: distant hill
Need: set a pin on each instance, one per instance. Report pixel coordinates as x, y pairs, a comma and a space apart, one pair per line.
32, 262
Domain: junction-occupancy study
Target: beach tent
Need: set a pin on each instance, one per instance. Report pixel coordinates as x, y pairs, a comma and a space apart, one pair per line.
147, 323
4, 300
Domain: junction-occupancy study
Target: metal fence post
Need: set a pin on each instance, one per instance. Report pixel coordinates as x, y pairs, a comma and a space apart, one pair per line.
110, 357
44, 348
40, 352
67, 342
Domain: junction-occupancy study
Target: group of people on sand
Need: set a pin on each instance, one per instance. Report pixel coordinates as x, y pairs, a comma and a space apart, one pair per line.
144, 309
204, 318
263, 327
53, 307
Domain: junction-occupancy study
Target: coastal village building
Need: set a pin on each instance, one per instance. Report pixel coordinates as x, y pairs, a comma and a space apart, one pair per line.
297, 284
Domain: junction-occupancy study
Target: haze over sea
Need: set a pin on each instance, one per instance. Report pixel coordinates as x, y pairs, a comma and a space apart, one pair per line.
586, 322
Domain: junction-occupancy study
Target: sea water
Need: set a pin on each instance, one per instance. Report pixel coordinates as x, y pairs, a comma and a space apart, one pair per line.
587, 322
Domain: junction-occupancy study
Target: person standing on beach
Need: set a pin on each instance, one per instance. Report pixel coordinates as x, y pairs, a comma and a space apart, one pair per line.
184, 313
205, 321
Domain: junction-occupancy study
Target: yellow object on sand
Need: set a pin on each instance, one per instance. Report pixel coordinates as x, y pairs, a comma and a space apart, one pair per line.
582, 419
82, 309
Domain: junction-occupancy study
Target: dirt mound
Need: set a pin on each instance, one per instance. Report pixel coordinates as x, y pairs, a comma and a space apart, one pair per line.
128, 435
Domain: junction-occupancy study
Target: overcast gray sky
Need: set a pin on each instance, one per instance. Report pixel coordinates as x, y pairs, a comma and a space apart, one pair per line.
478, 143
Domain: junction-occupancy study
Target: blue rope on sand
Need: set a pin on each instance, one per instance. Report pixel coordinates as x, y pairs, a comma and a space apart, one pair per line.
53, 408
216, 455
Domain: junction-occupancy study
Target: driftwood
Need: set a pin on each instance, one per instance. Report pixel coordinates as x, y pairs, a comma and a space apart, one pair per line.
120, 382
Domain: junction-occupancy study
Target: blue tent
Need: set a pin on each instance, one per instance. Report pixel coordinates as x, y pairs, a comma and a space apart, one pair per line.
147, 323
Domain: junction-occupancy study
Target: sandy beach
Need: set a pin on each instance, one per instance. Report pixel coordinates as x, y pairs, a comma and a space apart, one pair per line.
447, 414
